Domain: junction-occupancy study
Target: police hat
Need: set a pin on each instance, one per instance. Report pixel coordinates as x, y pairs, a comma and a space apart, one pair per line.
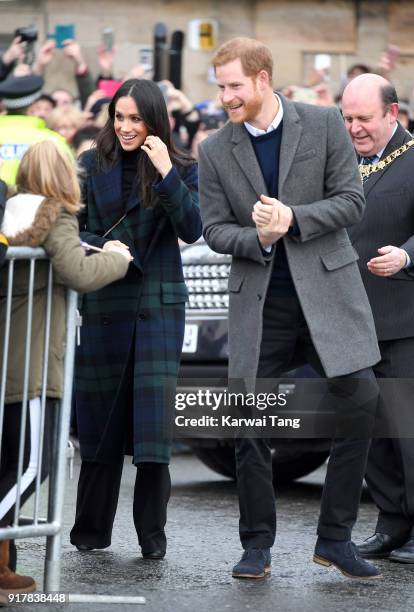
18, 92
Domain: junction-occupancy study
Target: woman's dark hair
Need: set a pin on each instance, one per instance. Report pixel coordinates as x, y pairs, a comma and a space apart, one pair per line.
152, 109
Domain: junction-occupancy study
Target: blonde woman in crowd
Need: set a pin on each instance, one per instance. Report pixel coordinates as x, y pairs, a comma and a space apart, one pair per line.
42, 213
66, 120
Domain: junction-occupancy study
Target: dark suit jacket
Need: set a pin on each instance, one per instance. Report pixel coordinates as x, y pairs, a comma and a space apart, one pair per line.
389, 220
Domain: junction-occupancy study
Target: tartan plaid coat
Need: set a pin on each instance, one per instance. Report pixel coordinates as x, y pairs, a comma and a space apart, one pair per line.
132, 330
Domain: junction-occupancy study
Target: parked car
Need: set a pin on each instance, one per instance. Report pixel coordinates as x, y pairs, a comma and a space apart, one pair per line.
205, 356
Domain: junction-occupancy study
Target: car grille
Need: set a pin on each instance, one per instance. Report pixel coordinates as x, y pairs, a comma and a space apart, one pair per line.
207, 286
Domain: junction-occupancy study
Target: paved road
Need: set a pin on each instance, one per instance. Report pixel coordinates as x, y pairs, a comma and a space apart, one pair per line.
203, 546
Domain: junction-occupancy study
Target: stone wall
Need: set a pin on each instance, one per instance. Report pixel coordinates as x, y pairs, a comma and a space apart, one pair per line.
295, 30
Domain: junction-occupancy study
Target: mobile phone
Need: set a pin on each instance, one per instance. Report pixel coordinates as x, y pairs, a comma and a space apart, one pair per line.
146, 59
108, 39
109, 86
322, 61
64, 32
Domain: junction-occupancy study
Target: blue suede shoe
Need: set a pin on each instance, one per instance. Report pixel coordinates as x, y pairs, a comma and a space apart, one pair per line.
255, 563
344, 556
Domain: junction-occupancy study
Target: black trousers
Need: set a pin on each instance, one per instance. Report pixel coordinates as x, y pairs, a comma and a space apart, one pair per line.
286, 344
97, 500
10, 455
390, 469
99, 482
10, 458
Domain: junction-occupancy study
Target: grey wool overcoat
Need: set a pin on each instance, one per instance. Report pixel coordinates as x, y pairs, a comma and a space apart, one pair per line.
319, 179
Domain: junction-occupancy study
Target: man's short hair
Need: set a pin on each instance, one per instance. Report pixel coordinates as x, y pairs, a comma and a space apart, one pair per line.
46, 98
253, 55
388, 96
358, 68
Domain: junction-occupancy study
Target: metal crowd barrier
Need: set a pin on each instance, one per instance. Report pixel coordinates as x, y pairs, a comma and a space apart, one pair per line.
51, 526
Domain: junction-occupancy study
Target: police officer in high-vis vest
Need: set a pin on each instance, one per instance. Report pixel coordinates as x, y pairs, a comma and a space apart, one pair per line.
18, 130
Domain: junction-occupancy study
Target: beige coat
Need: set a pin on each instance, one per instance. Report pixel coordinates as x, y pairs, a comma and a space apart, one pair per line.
29, 221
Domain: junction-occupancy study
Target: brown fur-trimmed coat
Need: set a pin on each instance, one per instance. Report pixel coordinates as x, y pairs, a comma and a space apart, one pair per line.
32, 220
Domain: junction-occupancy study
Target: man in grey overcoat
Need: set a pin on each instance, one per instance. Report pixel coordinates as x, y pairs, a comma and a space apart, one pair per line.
279, 184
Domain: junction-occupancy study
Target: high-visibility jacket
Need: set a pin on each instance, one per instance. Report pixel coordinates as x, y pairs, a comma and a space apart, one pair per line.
17, 133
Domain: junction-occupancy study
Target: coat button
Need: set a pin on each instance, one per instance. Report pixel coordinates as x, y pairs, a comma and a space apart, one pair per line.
142, 316
259, 296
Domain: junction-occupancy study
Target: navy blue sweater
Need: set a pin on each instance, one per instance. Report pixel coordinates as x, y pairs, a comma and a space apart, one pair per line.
267, 150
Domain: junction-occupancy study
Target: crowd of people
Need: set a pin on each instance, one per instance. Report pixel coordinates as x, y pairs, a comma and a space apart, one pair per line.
78, 117
280, 191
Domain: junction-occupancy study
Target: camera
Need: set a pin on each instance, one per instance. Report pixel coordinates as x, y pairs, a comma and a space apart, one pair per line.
27, 34
212, 122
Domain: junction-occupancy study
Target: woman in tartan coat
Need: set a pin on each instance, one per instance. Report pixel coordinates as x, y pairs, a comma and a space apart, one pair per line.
140, 191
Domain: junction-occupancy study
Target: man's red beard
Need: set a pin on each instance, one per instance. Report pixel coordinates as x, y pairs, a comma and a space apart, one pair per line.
248, 111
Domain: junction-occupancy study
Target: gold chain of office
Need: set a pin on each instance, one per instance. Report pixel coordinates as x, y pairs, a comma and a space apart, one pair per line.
368, 169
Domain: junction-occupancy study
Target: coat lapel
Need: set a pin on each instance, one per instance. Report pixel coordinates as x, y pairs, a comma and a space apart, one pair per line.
108, 195
246, 158
244, 153
133, 200
396, 141
291, 133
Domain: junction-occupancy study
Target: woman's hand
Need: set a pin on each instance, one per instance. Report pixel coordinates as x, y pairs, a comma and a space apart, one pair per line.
157, 151
119, 247
44, 56
123, 252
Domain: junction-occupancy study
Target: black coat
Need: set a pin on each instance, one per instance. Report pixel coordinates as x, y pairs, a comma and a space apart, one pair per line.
389, 220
